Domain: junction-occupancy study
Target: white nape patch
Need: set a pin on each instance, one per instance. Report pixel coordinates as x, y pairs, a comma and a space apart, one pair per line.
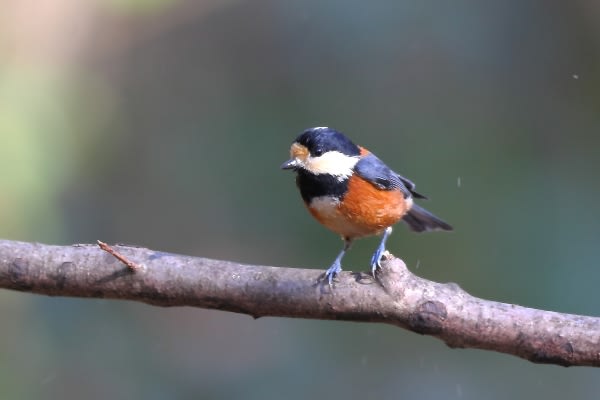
409, 203
333, 163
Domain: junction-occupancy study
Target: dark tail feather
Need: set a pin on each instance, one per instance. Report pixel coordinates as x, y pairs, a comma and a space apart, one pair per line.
421, 220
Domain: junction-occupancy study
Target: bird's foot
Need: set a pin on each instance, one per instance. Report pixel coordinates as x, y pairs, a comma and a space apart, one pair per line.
376, 259
334, 270
378, 255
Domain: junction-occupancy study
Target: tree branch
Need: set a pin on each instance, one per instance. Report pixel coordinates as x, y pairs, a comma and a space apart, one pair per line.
398, 298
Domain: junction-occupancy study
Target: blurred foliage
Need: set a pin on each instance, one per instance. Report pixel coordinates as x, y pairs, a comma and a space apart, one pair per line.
136, 7
162, 123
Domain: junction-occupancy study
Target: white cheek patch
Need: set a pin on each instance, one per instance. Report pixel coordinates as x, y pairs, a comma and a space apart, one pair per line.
332, 163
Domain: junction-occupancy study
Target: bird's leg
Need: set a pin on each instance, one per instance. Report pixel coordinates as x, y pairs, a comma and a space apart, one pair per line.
376, 259
336, 267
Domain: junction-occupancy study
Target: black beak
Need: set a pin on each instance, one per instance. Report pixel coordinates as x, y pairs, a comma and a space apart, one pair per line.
290, 164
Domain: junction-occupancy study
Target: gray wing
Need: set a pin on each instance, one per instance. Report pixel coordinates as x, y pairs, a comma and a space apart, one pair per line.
411, 187
372, 169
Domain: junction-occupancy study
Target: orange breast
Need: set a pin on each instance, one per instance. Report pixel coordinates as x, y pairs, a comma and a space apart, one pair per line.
364, 210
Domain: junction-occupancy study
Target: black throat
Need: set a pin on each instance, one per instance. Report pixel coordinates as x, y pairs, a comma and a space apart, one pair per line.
317, 185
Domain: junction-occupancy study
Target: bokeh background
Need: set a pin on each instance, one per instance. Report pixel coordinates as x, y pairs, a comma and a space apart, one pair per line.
163, 123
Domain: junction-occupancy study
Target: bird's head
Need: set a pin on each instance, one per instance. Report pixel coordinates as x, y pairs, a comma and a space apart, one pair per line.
323, 150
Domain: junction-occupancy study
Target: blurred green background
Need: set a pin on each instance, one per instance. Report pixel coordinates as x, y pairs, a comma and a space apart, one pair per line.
163, 123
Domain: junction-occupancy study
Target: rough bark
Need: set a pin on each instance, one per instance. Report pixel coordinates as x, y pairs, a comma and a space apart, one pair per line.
397, 297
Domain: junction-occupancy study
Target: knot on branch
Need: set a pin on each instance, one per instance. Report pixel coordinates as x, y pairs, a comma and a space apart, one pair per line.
557, 350
428, 318
18, 273
393, 275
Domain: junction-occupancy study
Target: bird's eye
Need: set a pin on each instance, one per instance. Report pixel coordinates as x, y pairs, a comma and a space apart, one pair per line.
318, 153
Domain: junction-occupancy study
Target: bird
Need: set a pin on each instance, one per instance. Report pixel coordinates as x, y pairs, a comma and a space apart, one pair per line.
353, 193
